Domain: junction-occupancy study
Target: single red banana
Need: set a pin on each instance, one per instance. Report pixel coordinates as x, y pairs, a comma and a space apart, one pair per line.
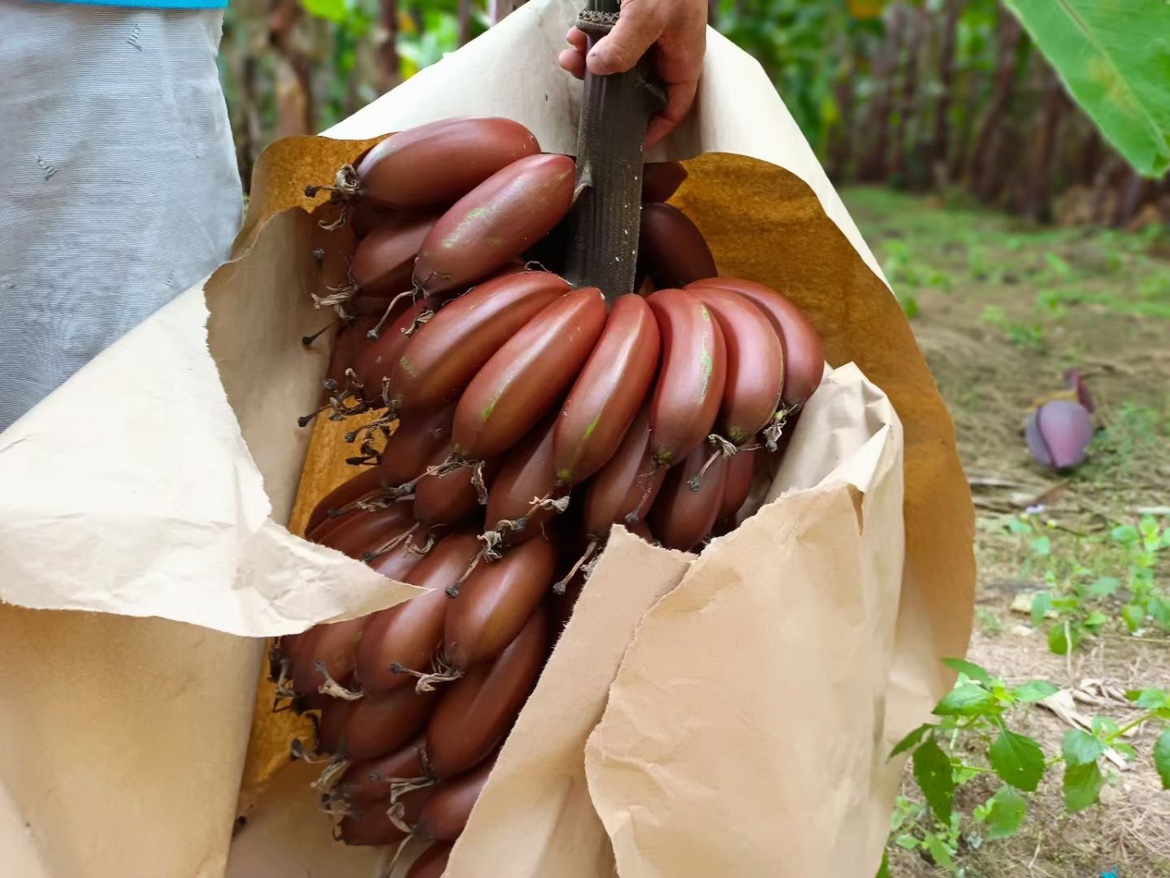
331, 724
365, 481
370, 825
410, 449
495, 222
737, 484
354, 536
452, 497
681, 517
379, 359
438, 162
442, 358
370, 780
445, 815
407, 636
432, 863
804, 352
691, 380
660, 180
672, 248
608, 392
379, 726
525, 476
495, 602
327, 653
629, 482
383, 263
527, 375
476, 712
755, 365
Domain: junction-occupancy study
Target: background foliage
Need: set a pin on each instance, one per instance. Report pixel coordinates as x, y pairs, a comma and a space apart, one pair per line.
949, 96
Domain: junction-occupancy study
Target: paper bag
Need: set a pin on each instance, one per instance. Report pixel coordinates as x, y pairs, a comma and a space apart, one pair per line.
151, 553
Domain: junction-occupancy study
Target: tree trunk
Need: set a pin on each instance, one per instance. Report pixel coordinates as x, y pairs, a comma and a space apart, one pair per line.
1039, 182
389, 66
498, 10
940, 142
295, 111
1010, 33
878, 117
914, 25
464, 22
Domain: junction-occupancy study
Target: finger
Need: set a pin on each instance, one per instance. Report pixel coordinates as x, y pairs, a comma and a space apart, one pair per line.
578, 40
636, 30
573, 61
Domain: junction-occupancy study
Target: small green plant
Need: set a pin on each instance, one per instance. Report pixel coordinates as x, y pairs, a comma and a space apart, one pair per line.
1079, 601
972, 742
1020, 334
902, 270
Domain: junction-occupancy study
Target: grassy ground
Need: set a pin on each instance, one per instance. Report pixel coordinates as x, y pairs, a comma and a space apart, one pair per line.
1001, 310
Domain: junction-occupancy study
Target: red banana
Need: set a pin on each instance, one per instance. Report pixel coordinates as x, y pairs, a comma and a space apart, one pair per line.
412, 445
660, 180
379, 359
370, 825
755, 365
495, 222
692, 377
737, 485
440, 359
608, 392
681, 517
432, 863
383, 263
445, 815
525, 477
527, 375
672, 248
629, 482
438, 162
804, 353
495, 602
370, 780
476, 712
351, 489
451, 497
407, 636
378, 726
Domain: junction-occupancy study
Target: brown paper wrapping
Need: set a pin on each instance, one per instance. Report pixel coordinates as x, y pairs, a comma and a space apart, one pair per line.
773, 671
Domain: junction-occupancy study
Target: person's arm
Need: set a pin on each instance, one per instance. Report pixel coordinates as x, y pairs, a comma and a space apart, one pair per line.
677, 29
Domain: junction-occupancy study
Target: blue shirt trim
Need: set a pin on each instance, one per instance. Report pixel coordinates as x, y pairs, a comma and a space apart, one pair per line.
147, 4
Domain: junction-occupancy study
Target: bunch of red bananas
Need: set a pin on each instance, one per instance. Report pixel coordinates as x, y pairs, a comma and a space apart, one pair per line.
516, 420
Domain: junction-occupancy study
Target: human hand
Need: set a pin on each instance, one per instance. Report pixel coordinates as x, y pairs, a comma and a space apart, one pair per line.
675, 29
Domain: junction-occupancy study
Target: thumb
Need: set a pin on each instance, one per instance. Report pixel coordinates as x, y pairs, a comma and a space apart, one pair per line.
623, 47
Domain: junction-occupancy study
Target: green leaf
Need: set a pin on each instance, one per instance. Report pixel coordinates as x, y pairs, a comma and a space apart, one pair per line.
884, 870
1133, 615
331, 10
1124, 533
1058, 639
907, 842
1095, 620
966, 700
912, 739
1082, 786
940, 851
1080, 748
971, 669
1104, 587
1162, 758
1006, 815
1160, 610
932, 770
1018, 760
1149, 699
1042, 546
1041, 604
1115, 61
1034, 690
1125, 750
